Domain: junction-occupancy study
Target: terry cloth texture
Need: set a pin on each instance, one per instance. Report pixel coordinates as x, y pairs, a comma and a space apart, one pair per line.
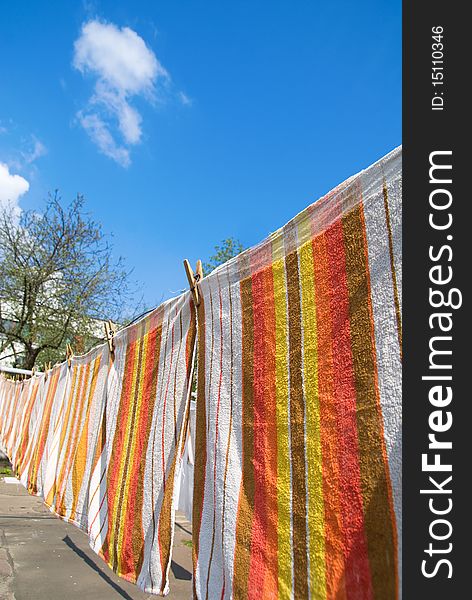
298, 431
76, 427
39, 468
10, 396
25, 421
131, 506
101, 440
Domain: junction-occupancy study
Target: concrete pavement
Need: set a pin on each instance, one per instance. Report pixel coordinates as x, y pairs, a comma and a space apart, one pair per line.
42, 557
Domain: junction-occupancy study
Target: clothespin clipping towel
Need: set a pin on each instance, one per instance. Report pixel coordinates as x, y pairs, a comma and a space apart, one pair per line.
69, 354
110, 330
47, 368
194, 279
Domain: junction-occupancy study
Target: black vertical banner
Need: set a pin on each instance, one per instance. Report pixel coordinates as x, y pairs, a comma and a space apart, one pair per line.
437, 263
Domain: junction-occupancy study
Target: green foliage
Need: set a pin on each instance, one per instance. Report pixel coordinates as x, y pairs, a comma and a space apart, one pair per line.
229, 248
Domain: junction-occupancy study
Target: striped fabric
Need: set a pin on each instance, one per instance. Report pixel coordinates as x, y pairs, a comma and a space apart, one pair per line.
31, 407
38, 467
7, 399
297, 476
101, 440
75, 430
11, 395
25, 423
131, 507
298, 431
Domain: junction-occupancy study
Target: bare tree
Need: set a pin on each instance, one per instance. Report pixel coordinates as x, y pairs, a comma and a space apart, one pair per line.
58, 280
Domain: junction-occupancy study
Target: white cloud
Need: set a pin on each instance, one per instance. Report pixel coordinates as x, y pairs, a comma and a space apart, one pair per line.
124, 67
129, 120
11, 186
186, 101
101, 136
38, 149
117, 56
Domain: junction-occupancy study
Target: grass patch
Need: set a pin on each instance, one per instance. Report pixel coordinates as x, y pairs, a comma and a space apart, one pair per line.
5, 471
187, 543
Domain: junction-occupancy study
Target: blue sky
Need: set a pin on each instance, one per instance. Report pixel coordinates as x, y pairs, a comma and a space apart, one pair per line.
184, 123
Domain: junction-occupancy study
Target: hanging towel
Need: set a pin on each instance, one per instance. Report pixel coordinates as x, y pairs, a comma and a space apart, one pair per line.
51, 392
297, 488
12, 400
75, 437
32, 407
29, 392
131, 506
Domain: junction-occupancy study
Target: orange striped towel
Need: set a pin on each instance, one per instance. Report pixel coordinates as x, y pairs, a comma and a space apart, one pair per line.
298, 438
75, 430
51, 396
131, 506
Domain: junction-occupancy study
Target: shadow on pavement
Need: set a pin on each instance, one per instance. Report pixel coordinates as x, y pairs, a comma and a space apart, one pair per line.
183, 528
180, 572
95, 567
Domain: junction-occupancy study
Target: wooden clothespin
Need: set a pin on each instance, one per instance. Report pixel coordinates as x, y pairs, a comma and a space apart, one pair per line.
47, 368
69, 354
194, 279
110, 330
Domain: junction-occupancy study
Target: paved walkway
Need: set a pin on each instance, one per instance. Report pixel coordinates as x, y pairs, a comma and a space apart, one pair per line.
44, 558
